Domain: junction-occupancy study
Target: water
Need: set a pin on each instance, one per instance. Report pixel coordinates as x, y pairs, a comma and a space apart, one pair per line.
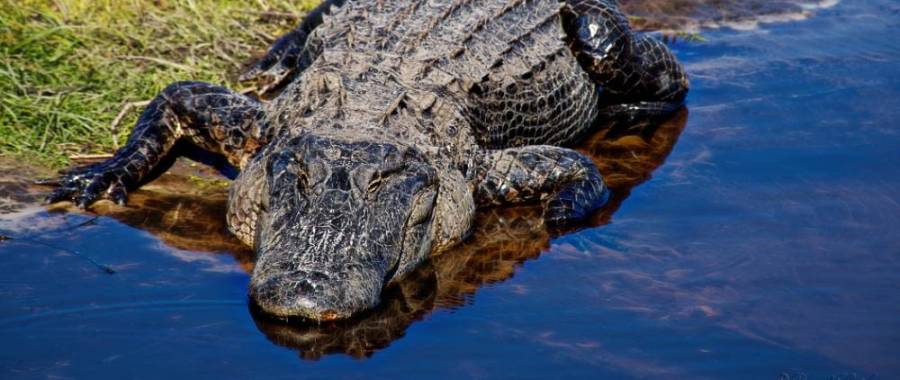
754, 236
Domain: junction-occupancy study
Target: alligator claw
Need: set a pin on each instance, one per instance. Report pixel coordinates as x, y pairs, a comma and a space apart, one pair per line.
84, 186
118, 194
269, 78
59, 195
251, 73
89, 194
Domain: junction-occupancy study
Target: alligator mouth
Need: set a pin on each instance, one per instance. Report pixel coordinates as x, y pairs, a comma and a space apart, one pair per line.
313, 303
325, 293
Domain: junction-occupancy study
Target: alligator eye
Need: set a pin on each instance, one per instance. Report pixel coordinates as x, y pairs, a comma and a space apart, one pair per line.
302, 188
374, 185
379, 177
302, 180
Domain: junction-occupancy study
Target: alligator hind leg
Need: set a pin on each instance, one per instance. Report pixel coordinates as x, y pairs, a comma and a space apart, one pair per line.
567, 182
209, 117
639, 76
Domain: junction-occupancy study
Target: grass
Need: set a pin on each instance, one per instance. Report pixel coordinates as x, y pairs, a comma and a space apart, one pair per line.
67, 67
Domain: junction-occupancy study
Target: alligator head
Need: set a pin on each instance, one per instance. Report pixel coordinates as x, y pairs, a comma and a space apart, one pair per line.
342, 219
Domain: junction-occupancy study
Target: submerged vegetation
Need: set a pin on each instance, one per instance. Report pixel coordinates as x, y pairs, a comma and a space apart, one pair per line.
68, 67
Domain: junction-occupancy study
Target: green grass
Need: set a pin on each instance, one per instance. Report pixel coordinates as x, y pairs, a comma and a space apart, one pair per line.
67, 67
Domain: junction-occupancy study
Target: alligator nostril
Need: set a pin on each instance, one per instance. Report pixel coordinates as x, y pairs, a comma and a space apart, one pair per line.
300, 294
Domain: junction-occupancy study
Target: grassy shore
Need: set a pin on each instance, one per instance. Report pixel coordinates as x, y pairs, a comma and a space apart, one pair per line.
68, 67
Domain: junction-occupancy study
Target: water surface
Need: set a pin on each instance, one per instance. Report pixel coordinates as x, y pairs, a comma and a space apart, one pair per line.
754, 235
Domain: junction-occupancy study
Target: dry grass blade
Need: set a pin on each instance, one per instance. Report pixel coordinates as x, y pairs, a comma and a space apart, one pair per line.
114, 126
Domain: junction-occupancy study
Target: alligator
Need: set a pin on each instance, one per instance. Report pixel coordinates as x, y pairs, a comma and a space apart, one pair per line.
503, 239
390, 123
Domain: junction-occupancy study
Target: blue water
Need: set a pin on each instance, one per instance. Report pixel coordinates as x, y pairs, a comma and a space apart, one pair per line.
766, 246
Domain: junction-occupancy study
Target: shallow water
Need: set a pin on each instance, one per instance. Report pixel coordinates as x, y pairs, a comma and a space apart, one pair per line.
753, 236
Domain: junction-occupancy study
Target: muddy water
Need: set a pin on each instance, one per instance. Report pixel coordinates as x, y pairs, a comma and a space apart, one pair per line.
754, 235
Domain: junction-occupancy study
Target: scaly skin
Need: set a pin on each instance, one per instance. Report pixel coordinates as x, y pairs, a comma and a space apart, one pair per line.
395, 120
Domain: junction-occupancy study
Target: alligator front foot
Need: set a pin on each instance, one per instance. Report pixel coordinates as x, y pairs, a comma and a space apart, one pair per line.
567, 182
576, 201
85, 185
279, 63
290, 53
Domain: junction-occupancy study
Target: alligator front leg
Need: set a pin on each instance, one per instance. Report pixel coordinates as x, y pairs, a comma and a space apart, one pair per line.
209, 117
289, 55
567, 182
638, 75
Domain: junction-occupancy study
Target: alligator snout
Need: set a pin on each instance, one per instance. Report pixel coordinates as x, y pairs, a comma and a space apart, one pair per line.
270, 296
316, 294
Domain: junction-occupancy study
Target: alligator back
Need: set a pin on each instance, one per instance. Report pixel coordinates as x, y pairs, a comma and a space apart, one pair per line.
501, 64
